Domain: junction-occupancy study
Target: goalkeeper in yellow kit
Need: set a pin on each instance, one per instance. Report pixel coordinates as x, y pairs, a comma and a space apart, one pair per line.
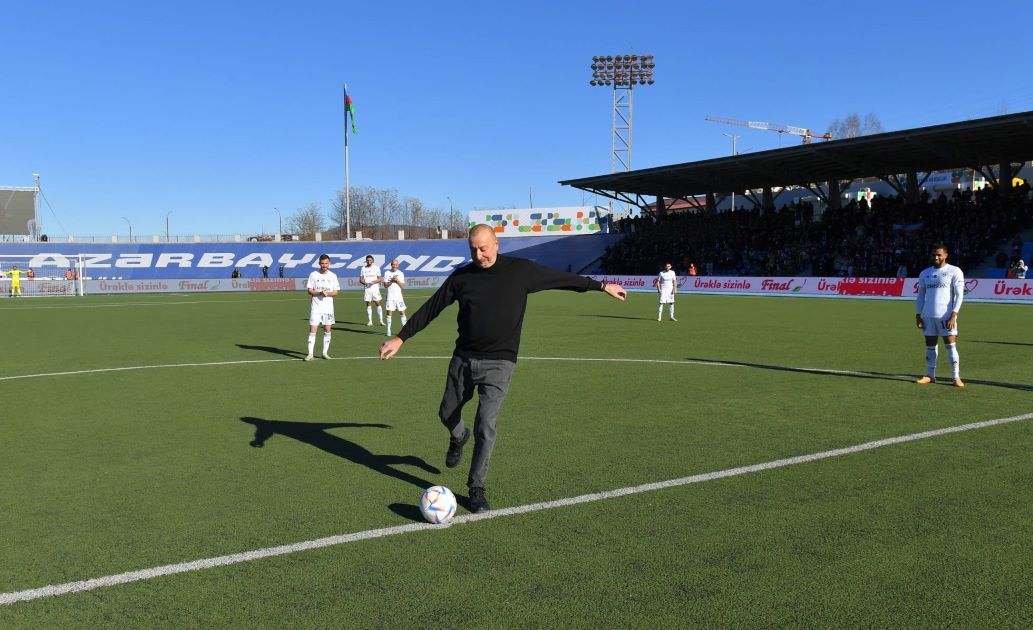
16, 280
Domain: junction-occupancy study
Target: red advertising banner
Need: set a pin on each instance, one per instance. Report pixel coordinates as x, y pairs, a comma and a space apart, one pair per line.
976, 289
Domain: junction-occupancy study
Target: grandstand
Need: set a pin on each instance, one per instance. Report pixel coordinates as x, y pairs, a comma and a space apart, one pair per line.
883, 235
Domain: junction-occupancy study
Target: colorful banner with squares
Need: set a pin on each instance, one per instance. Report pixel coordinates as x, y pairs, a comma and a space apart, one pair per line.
544, 221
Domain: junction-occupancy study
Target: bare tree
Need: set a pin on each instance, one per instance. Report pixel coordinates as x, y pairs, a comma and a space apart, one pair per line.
306, 221
872, 125
379, 212
362, 212
852, 126
387, 210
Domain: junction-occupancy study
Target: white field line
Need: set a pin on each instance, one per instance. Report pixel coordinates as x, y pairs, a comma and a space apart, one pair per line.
330, 541
372, 358
298, 297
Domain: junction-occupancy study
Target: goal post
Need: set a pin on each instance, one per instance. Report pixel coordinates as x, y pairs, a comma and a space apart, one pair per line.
41, 275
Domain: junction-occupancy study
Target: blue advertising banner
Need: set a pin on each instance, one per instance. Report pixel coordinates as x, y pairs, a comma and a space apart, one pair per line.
155, 261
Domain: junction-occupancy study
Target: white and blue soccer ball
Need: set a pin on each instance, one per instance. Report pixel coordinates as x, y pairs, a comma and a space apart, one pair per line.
438, 504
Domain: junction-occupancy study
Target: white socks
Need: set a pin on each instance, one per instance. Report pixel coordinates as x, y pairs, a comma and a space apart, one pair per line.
369, 314
671, 309
312, 342
952, 354
389, 323
380, 314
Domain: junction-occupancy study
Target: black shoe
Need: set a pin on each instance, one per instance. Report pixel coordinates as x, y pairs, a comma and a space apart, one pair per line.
455, 450
478, 500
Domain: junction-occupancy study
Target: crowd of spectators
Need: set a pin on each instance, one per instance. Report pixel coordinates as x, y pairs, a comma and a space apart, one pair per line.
890, 237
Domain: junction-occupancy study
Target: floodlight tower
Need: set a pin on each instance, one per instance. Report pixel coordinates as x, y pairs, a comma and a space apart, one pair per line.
622, 72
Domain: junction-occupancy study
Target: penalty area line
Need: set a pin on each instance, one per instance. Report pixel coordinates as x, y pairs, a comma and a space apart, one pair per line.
330, 541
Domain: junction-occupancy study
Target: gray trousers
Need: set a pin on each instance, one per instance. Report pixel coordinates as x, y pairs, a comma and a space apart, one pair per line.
490, 377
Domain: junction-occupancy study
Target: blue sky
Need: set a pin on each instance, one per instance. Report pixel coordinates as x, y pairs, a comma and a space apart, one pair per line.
219, 112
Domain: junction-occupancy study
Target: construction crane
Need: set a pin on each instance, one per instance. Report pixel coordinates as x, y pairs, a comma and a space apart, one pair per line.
796, 131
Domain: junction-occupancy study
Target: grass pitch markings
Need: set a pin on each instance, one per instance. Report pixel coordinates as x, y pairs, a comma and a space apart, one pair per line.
330, 541
902, 377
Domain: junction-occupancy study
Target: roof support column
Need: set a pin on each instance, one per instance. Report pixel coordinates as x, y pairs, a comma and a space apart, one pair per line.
711, 203
661, 209
767, 200
1003, 185
834, 199
912, 187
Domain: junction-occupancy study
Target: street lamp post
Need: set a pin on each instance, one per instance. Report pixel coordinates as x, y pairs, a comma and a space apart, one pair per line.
130, 229
734, 153
451, 213
280, 217
622, 72
167, 238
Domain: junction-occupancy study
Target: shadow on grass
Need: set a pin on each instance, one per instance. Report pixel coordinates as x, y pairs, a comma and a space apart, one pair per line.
407, 511
270, 349
372, 330
316, 434
903, 378
1001, 343
617, 316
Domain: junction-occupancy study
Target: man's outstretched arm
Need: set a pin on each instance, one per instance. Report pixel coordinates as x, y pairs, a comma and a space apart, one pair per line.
423, 316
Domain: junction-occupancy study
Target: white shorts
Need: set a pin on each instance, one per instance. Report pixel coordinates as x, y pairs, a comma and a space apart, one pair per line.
937, 327
371, 294
317, 318
394, 305
666, 297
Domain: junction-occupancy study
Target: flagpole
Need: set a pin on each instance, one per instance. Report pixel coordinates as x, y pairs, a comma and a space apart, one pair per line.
347, 182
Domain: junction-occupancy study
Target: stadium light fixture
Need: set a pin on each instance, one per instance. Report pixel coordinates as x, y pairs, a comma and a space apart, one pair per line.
130, 229
622, 73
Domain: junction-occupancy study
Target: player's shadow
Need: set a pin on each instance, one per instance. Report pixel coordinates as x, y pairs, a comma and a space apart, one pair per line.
316, 434
616, 316
372, 330
281, 351
1002, 343
905, 378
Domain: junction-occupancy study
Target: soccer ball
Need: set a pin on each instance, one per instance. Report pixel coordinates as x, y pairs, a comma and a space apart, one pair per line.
438, 504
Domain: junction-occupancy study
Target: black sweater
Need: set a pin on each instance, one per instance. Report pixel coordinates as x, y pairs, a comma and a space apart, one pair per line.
492, 303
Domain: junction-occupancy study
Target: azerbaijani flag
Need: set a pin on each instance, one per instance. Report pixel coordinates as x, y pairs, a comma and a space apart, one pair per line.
349, 109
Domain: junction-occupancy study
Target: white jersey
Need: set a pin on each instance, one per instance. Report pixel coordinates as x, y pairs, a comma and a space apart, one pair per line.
322, 282
940, 292
666, 280
394, 291
369, 274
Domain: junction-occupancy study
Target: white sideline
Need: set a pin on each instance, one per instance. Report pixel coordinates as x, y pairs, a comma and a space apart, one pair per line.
329, 541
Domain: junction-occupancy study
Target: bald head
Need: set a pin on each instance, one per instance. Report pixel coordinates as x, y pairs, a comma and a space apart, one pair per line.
481, 228
484, 247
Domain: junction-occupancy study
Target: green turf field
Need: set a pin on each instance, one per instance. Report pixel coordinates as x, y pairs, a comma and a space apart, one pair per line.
129, 445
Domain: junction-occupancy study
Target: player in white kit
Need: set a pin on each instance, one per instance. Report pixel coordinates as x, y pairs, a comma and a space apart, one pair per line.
667, 287
322, 285
369, 277
941, 289
394, 280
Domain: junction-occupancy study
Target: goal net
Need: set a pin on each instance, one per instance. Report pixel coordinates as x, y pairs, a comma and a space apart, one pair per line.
27, 275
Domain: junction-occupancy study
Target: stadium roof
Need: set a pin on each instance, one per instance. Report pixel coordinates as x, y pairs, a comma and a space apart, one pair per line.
972, 144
